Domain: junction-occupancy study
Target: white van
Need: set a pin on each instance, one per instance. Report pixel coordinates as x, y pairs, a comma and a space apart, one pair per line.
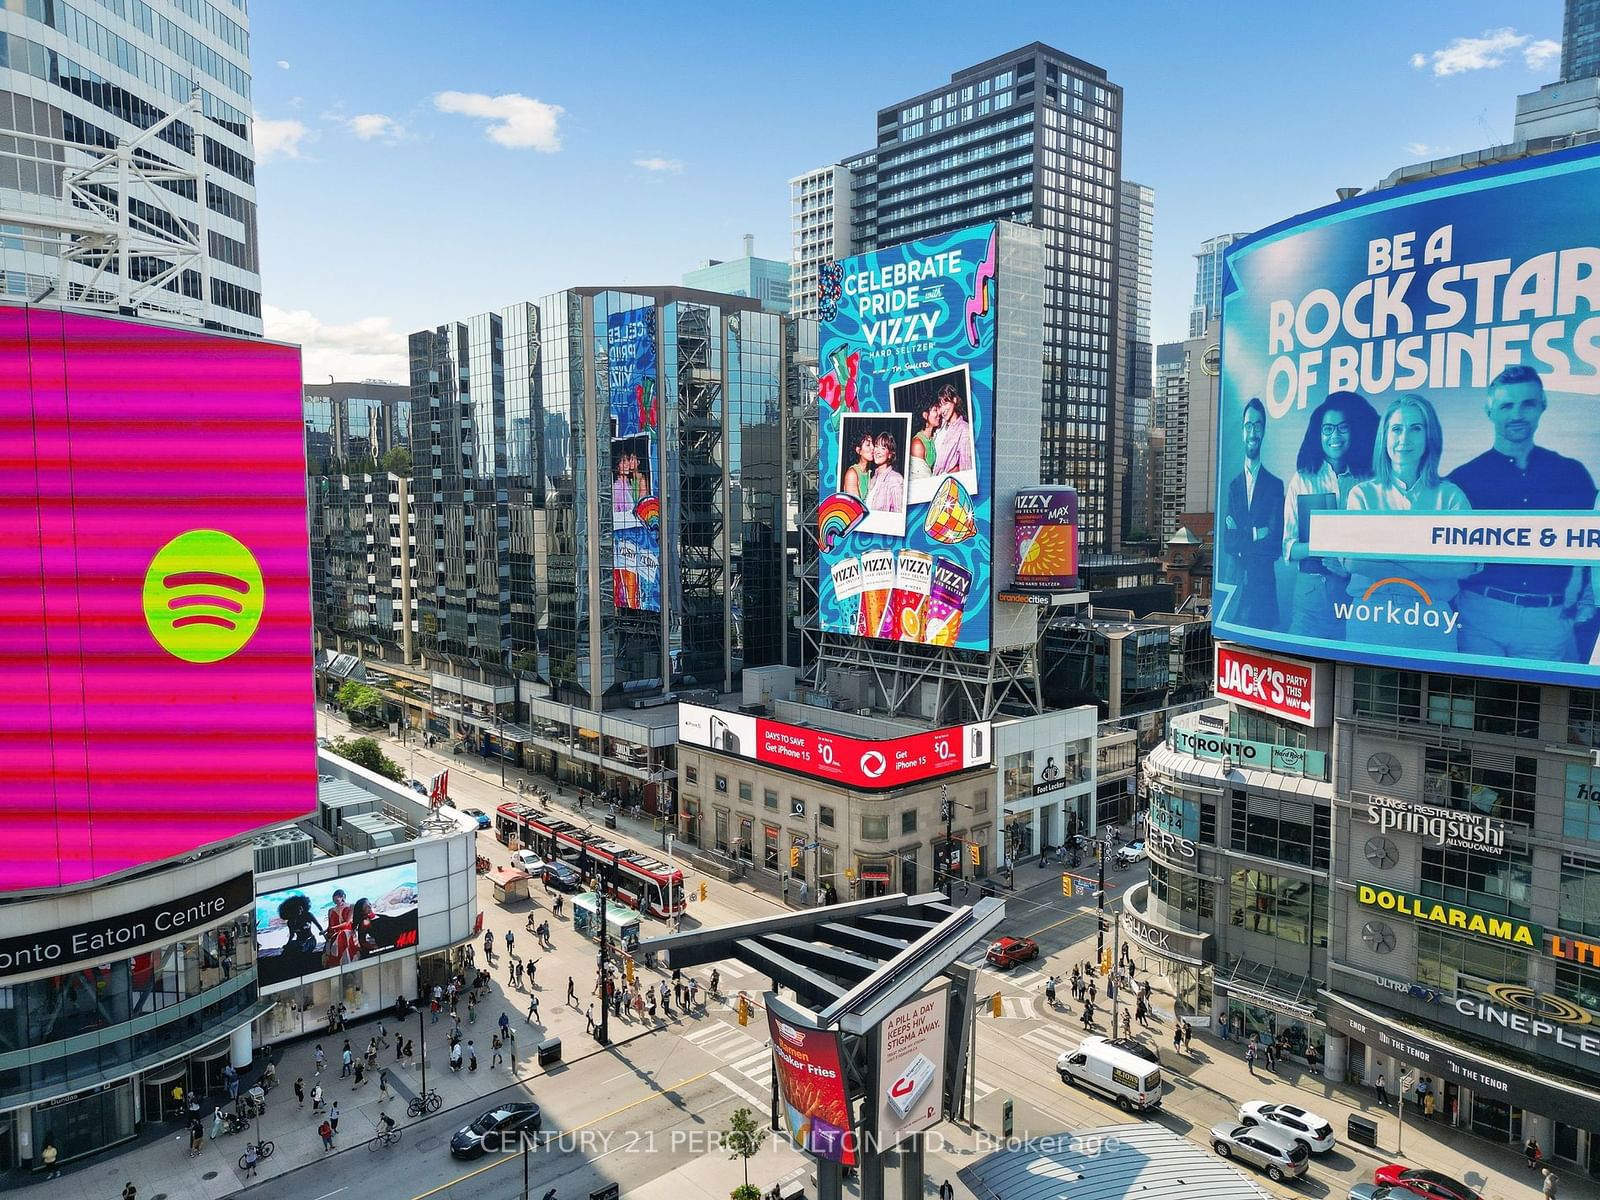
1132, 1081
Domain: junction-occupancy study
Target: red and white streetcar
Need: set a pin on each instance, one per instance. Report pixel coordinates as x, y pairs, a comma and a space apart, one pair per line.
639, 881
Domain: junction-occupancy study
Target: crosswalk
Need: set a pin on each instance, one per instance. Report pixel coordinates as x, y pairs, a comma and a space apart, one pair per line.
1054, 1040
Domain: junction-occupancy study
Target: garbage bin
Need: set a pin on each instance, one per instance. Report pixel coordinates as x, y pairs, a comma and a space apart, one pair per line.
1361, 1131
611, 820
550, 1052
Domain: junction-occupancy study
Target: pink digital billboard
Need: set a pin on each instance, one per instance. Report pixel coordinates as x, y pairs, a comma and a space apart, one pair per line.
155, 625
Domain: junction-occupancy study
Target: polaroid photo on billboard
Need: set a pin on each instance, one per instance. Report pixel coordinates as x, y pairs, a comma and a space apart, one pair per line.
939, 407
873, 448
630, 479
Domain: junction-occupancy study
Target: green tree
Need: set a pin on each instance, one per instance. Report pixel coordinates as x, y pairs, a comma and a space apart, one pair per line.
362, 701
743, 1140
365, 752
397, 462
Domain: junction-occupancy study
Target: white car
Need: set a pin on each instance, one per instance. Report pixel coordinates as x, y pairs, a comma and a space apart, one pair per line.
1131, 853
1314, 1132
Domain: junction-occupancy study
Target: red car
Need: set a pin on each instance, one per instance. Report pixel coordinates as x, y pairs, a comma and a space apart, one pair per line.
1431, 1185
1009, 951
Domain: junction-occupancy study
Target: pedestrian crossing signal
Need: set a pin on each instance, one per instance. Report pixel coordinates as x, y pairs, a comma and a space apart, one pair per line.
1066, 884
744, 1010
702, 890
794, 858
975, 852
628, 968
994, 1005
1105, 961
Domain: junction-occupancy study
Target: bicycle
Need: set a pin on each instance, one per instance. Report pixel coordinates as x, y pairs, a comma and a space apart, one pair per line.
384, 1137
263, 1151
428, 1101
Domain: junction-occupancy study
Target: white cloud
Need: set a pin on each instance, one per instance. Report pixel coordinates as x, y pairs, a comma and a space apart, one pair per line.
671, 166
283, 64
370, 348
376, 127
1541, 53
516, 121
278, 139
1419, 149
1487, 51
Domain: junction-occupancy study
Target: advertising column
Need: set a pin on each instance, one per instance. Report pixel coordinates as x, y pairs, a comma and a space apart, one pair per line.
906, 441
1407, 435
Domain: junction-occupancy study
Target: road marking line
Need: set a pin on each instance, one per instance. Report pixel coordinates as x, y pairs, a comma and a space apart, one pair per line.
760, 1102
511, 1158
335, 1192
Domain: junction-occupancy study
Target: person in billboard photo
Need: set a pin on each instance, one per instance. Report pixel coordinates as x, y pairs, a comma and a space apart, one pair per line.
1253, 527
953, 442
924, 450
1405, 478
938, 408
888, 491
1335, 455
1523, 610
630, 481
857, 478
343, 945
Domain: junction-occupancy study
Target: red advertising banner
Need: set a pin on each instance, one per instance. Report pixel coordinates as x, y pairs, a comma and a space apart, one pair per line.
809, 1068
853, 762
1285, 687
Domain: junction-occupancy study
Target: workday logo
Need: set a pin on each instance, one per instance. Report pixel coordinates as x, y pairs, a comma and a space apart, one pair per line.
203, 596
1403, 602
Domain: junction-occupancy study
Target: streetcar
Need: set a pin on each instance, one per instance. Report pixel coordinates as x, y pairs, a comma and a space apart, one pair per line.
639, 881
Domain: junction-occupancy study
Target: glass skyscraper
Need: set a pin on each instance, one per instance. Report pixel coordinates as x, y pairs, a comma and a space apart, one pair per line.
1580, 40
1207, 305
1033, 136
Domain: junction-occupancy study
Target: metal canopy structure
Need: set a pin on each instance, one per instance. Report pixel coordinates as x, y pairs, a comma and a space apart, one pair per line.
854, 963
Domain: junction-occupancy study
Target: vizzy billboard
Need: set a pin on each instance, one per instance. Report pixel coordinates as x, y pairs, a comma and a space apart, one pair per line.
906, 441
1297, 691
635, 459
853, 762
155, 626
1046, 528
335, 923
1407, 433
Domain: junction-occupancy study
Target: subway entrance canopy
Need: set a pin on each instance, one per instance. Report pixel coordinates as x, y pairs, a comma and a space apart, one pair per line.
844, 1092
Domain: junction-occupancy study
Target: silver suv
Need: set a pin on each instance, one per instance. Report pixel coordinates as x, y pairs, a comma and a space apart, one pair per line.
1279, 1154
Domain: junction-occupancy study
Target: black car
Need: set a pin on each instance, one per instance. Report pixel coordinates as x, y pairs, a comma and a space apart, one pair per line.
497, 1130
1133, 1046
562, 876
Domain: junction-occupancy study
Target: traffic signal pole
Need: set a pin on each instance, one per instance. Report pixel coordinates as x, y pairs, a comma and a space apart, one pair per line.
602, 1033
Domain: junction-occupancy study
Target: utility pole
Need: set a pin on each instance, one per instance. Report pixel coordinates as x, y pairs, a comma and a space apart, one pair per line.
949, 812
603, 1033
1100, 921
422, 1037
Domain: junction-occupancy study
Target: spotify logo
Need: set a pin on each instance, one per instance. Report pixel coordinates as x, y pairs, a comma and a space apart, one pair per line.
203, 596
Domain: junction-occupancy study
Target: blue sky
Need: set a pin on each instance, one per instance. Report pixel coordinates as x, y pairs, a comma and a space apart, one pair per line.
424, 162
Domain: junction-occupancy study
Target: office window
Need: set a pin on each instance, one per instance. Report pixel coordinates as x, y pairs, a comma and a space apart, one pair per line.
1583, 717
980, 800
1291, 910
908, 821
825, 816
769, 798
1183, 892
1579, 984
691, 774
744, 791
721, 841
1289, 831
747, 847
769, 847
1452, 963
1484, 705
1019, 775
1580, 814
1493, 883
874, 829
1383, 692
1580, 894
1487, 782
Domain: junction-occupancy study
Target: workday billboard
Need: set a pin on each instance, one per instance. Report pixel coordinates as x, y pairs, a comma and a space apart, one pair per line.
906, 441
1408, 432
155, 623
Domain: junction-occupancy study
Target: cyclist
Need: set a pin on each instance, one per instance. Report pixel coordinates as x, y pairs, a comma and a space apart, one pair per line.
385, 1124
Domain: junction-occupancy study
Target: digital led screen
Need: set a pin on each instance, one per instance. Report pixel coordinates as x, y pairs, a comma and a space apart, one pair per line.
304, 930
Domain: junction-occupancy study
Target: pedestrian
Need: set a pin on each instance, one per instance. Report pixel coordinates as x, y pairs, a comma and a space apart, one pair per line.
651, 992
399, 1048
1383, 1094
666, 1000
1088, 1014
572, 993
588, 1018
326, 1130
361, 1075
348, 1059
694, 992
250, 1157
1533, 1152
333, 1115
433, 1011
300, 1091
505, 1027
129, 1192
231, 1078
1250, 1061
197, 1136
383, 1086
409, 1051
1188, 1036
1177, 1038
455, 1056
946, 1191
533, 1010
1127, 1026
1549, 1183
316, 1097
529, 969
383, 1035
495, 1044
472, 1056
509, 941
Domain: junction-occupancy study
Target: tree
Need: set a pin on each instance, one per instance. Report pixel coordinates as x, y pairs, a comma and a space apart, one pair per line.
743, 1139
361, 700
365, 752
397, 462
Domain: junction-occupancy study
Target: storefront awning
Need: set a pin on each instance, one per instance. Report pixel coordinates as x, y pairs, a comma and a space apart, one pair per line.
1444, 1059
1270, 988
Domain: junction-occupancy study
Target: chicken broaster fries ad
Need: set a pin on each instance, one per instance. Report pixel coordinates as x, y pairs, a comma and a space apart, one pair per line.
811, 1083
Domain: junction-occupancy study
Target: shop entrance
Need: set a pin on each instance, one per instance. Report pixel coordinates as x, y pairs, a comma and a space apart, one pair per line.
86, 1123
1495, 1119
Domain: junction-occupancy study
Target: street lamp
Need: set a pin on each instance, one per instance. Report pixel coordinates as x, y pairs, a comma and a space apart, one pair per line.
602, 1033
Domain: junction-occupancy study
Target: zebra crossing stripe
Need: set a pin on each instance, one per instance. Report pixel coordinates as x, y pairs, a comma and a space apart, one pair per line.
738, 1090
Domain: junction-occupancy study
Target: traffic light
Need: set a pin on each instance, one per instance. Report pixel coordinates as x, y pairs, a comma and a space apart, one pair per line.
974, 852
994, 1005
627, 967
702, 890
1105, 961
1066, 884
794, 858
744, 1009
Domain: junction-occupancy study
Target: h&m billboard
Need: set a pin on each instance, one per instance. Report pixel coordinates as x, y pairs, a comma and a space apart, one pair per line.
906, 441
335, 923
1407, 431
155, 613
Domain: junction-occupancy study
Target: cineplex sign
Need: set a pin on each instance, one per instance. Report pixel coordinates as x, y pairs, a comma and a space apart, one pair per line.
1297, 691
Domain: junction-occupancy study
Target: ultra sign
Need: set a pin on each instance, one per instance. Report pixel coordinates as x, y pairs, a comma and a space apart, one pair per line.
1284, 687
